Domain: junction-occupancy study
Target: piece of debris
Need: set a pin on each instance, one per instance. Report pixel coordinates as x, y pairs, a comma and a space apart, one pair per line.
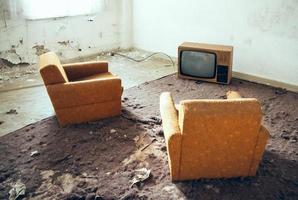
172, 192
84, 174
136, 139
159, 131
163, 148
113, 131
140, 176
280, 91
62, 159
147, 145
90, 196
1, 122
211, 187
198, 82
17, 191
223, 96
12, 111
285, 135
34, 153
155, 120
293, 141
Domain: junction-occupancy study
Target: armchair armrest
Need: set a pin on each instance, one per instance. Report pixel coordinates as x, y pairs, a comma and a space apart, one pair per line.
259, 150
79, 70
85, 92
169, 115
172, 133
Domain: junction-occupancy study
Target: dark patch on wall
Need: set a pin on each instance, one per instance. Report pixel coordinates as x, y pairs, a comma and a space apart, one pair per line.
64, 43
40, 49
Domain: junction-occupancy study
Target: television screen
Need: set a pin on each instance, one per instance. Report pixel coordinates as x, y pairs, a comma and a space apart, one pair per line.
198, 64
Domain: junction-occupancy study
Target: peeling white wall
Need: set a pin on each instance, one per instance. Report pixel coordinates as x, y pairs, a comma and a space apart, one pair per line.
69, 36
264, 33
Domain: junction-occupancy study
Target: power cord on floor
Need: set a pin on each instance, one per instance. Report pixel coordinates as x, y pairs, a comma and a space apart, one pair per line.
112, 54
144, 59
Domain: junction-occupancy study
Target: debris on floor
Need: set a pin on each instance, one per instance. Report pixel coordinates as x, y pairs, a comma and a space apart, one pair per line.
280, 91
12, 111
211, 187
159, 131
1, 122
76, 162
140, 176
147, 145
34, 153
17, 191
113, 131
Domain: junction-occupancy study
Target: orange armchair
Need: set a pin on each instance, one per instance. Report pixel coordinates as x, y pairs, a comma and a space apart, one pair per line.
213, 138
80, 92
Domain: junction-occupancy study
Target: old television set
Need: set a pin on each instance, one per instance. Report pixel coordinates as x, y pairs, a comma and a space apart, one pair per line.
205, 62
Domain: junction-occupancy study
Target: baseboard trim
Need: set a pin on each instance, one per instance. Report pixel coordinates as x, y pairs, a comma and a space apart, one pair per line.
252, 78
265, 81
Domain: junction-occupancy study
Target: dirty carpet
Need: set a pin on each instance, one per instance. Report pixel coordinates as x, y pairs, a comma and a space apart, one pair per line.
125, 157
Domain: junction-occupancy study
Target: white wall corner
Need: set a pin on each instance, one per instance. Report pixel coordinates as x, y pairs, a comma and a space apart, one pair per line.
126, 37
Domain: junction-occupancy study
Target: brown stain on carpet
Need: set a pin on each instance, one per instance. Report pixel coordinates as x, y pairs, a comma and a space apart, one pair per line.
86, 160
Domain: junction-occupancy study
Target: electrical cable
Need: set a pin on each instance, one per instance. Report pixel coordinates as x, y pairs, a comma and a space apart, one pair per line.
112, 54
144, 59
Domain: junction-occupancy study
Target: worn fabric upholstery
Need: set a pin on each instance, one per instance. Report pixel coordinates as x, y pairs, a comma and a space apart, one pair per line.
172, 132
81, 92
213, 138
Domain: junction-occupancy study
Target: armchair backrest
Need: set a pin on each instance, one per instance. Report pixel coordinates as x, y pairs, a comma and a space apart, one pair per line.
220, 134
51, 69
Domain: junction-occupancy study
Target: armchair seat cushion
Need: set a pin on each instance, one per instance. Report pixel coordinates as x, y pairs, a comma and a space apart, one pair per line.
105, 75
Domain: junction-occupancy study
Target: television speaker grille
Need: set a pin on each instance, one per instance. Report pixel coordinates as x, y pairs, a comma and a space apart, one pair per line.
222, 74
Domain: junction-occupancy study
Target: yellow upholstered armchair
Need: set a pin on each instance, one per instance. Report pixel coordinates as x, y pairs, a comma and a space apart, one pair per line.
80, 92
213, 138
